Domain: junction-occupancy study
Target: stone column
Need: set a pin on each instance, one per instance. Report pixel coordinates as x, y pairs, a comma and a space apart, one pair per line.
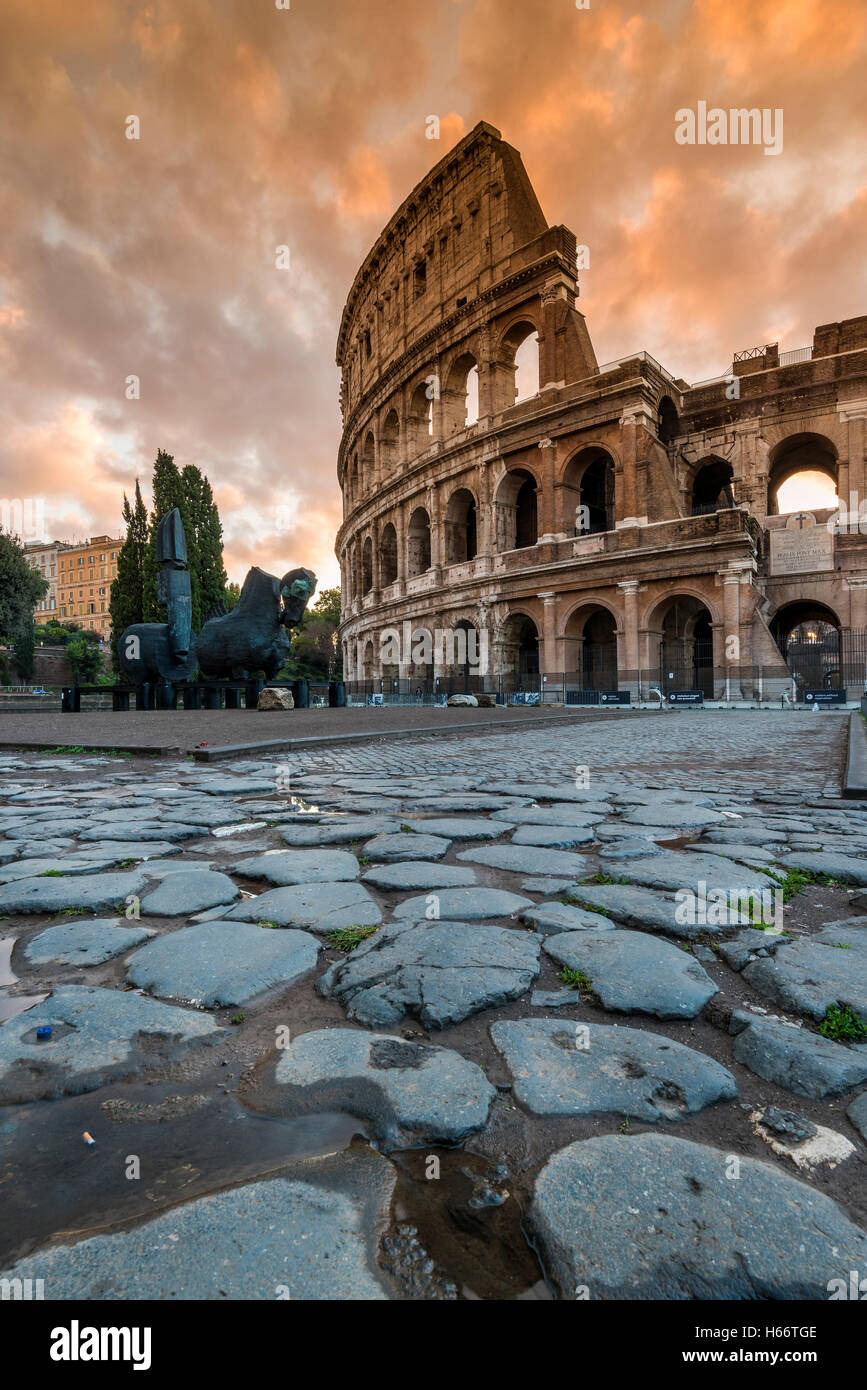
730, 637
548, 654
436, 533
629, 589
853, 478
546, 521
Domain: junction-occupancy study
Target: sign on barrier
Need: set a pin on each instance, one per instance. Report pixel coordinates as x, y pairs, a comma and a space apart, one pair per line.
825, 697
615, 697
686, 697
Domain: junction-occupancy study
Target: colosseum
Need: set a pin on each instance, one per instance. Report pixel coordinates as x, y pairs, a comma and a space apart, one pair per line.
519, 519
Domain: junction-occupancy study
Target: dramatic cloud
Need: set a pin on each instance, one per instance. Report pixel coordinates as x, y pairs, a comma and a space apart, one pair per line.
304, 128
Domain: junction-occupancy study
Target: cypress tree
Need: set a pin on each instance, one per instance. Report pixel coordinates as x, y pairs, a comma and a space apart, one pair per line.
209, 545
167, 492
126, 605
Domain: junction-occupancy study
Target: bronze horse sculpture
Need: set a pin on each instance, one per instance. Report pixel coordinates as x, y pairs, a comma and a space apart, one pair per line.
254, 636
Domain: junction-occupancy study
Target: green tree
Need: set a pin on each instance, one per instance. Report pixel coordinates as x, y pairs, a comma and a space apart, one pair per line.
126, 605
327, 606
85, 658
21, 588
209, 545
231, 594
167, 491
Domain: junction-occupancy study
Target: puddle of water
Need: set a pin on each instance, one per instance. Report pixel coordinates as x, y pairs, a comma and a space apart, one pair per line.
12, 1005
677, 843
7, 975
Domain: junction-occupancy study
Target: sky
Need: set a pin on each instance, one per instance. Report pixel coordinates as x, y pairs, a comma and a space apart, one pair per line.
303, 128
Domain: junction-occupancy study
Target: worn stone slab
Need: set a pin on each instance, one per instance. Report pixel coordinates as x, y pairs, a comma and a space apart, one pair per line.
548, 918
220, 963
857, 1113
805, 1063
89, 891
562, 815
462, 905
140, 834
741, 853
740, 948
338, 832
418, 875
651, 1216
189, 890
84, 943
442, 972
39, 868
525, 859
848, 868
128, 849
810, 974
309, 1236
585, 1069
677, 869
288, 866
554, 998
629, 849
631, 972
458, 827
677, 816
97, 1039
643, 909
552, 836
319, 907
407, 1092
393, 848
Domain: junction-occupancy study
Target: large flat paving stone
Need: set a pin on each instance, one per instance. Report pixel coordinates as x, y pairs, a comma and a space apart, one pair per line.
340, 831
462, 905
459, 827
631, 972
311, 1236
562, 815
563, 1069
640, 908
548, 918
409, 1093
100, 1035
141, 833
676, 870
128, 849
89, 891
70, 864
439, 971
393, 848
319, 907
220, 963
189, 890
288, 866
526, 859
812, 973
676, 816
848, 868
552, 836
803, 1062
651, 1216
415, 875
84, 943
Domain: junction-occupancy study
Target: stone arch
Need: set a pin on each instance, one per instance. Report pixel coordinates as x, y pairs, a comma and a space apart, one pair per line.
682, 624
461, 527
516, 648
387, 555
590, 645
418, 543
420, 417
667, 420
712, 486
389, 444
366, 566
518, 355
805, 456
368, 661
587, 493
809, 636
368, 463
516, 510
460, 394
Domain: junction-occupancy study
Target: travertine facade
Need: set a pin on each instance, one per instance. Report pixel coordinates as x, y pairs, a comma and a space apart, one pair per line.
617, 525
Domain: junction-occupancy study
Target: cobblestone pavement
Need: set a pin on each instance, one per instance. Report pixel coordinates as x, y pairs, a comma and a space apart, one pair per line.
555, 1012
681, 749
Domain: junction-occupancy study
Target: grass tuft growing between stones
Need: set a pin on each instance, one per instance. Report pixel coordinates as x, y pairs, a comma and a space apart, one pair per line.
798, 879
347, 938
842, 1024
572, 899
578, 979
604, 879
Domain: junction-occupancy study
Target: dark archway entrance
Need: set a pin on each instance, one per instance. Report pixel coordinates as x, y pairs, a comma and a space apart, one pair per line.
808, 635
686, 648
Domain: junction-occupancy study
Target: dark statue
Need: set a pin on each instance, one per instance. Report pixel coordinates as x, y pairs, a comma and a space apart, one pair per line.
164, 651
253, 637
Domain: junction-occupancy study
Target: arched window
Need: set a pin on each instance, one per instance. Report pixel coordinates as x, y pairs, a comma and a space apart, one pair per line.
527, 368
367, 566
460, 527
387, 555
802, 475
588, 493
516, 512
667, 420
368, 463
461, 395
418, 543
389, 443
712, 488
420, 421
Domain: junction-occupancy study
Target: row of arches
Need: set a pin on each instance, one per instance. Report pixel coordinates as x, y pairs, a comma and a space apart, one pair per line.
437, 407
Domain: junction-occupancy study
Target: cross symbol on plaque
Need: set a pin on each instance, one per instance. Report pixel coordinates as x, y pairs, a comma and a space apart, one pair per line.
801, 517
